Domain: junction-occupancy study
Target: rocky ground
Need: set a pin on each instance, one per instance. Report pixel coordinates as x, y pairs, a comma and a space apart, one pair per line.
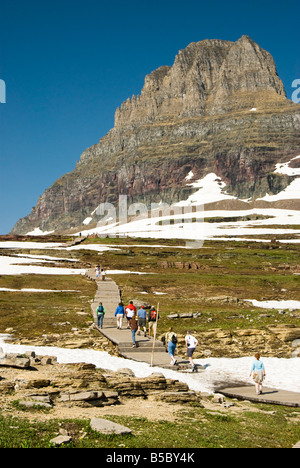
38, 387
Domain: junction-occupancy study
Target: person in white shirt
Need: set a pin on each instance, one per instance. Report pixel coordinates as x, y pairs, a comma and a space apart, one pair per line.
191, 342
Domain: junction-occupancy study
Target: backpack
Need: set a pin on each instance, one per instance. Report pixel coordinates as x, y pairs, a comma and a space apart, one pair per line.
153, 315
174, 339
100, 310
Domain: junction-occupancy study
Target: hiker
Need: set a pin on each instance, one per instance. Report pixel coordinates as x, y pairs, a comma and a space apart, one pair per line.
191, 342
130, 310
100, 314
171, 342
103, 274
120, 314
259, 373
152, 320
134, 326
142, 315
97, 271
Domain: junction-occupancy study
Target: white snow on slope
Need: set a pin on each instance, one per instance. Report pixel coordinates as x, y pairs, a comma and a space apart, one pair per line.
285, 305
21, 266
284, 168
210, 189
281, 373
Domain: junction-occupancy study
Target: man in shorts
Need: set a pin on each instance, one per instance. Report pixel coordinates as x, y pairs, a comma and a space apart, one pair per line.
142, 315
191, 342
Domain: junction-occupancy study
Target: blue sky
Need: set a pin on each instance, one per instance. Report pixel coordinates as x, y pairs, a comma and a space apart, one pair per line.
69, 64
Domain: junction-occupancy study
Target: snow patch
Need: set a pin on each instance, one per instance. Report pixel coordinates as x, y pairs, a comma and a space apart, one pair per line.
285, 305
210, 190
281, 373
39, 232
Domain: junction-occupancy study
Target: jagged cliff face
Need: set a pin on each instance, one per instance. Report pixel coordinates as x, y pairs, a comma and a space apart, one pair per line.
197, 115
207, 78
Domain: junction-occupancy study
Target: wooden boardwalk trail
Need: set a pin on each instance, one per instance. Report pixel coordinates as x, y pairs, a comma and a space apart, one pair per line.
269, 395
109, 294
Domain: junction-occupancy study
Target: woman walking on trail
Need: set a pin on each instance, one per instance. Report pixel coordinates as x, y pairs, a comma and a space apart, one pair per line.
171, 341
259, 373
134, 326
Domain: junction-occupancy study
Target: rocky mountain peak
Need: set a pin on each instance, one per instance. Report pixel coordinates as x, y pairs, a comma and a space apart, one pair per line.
219, 109
207, 78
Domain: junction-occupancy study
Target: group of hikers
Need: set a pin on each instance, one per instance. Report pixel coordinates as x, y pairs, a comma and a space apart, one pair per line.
100, 272
137, 319
137, 323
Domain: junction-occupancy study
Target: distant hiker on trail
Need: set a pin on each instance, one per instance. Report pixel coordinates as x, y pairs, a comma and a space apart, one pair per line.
100, 314
97, 271
259, 373
130, 311
152, 320
103, 274
191, 342
142, 316
120, 314
134, 326
171, 341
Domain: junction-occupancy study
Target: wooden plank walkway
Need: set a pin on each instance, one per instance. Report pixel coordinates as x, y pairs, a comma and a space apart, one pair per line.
75, 241
109, 294
269, 395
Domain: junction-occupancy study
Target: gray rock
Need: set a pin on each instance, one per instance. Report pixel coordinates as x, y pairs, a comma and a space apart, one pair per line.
60, 440
35, 404
14, 360
107, 427
188, 315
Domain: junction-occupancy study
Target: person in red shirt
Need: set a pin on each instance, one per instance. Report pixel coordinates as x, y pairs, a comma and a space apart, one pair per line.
130, 311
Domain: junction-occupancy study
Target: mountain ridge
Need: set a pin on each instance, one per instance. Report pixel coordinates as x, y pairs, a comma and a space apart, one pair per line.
221, 108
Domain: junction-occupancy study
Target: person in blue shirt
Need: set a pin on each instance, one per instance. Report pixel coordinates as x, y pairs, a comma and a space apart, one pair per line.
120, 314
142, 315
259, 373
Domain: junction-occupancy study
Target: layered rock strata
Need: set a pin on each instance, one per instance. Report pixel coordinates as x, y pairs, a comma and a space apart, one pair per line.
220, 108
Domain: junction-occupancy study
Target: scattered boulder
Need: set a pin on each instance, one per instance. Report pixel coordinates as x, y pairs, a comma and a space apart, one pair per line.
180, 398
35, 404
14, 360
91, 398
61, 440
218, 398
103, 426
29, 382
